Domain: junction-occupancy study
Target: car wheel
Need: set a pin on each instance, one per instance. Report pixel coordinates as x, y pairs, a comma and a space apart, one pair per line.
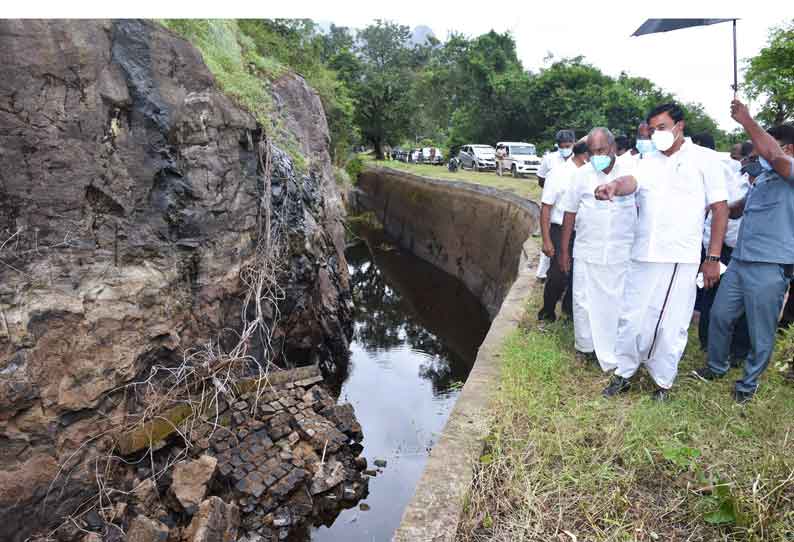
514, 171
474, 167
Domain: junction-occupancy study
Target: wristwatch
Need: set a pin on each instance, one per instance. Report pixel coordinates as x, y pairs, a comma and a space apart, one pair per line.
712, 258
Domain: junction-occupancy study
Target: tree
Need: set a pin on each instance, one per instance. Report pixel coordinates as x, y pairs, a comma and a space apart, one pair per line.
382, 90
297, 44
770, 76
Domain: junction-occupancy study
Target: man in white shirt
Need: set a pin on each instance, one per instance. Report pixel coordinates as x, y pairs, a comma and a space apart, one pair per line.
602, 249
673, 187
558, 284
565, 141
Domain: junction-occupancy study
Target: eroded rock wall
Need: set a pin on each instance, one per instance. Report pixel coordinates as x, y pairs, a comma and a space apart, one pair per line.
130, 190
458, 227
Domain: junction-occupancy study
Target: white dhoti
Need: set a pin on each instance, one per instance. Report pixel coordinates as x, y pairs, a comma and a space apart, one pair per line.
597, 296
657, 305
543, 266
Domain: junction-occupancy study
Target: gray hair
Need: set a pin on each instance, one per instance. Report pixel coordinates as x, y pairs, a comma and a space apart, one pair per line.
602, 130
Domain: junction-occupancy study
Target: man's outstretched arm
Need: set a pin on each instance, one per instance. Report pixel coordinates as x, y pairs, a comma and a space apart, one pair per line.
622, 186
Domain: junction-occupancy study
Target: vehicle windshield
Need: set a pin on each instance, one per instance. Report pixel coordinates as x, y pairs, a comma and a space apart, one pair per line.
484, 151
523, 149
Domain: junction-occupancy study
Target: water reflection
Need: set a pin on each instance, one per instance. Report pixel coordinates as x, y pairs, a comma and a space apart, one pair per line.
415, 338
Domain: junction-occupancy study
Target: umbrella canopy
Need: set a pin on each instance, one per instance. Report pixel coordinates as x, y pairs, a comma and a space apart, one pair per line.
652, 26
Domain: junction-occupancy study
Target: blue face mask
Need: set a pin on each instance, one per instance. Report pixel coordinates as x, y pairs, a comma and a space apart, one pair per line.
764, 164
600, 162
645, 146
565, 153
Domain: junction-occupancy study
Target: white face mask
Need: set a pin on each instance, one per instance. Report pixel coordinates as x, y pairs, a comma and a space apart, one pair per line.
663, 140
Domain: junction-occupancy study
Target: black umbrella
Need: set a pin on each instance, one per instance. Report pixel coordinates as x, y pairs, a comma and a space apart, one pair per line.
652, 26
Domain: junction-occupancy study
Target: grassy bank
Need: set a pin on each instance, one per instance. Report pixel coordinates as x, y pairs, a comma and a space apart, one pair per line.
564, 464
526, 187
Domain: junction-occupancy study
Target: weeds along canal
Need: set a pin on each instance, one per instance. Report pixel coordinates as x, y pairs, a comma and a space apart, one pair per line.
417, 331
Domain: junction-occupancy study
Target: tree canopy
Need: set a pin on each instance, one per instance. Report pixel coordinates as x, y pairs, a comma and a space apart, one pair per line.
380, 88
770, 76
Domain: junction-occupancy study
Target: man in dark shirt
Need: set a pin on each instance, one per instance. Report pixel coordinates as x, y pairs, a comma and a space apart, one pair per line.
761, 266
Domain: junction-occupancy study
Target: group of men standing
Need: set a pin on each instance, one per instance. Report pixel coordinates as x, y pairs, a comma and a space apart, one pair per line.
630, 236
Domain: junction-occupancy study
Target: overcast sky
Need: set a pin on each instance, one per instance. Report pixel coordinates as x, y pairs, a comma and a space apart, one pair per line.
695, 63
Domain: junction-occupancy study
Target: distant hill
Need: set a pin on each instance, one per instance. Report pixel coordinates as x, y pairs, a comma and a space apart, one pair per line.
421, 34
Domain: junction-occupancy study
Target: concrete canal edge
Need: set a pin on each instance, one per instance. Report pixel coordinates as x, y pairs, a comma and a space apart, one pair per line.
430, 216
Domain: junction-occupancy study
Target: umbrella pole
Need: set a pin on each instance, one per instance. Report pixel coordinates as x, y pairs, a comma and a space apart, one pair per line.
735, 62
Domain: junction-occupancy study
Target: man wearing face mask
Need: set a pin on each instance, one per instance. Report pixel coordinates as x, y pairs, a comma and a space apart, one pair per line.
602, 249
558, 283
565, 140
673, 187
762, 264
644, 144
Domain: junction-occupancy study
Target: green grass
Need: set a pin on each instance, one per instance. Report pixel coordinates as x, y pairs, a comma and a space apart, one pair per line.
524, 187
562, 463
242, 74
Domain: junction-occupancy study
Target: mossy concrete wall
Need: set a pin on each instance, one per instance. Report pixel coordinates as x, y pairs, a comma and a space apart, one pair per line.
473, 232
483, 236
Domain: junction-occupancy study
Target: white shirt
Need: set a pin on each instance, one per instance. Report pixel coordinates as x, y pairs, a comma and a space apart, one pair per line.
549, 162
628, 159
604, 229
673, 194
737, 189
557, 184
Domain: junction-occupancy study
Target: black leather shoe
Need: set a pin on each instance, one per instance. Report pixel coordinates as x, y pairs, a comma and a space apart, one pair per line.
661, 395
742, 397
617, 384
705, 374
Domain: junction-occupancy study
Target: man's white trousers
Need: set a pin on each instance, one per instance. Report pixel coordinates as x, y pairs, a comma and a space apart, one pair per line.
658, 300
597, 295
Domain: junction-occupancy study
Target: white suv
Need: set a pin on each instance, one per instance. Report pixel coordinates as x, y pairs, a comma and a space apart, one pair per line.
520, 158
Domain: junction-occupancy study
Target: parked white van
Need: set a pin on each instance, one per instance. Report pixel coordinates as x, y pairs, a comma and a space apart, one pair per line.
519, 158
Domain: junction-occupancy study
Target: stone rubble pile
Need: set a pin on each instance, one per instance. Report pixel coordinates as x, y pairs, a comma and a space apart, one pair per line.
258, 469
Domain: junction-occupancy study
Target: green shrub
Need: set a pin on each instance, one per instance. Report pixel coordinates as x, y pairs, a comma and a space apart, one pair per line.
354, 167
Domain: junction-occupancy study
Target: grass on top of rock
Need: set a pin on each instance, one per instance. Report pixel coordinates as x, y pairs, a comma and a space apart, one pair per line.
562, 463
526, 187
242, 73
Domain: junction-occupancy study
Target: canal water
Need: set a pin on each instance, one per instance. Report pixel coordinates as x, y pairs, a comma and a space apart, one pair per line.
416, 335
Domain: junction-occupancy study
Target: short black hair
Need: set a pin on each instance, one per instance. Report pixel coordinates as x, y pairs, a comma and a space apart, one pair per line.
565, 136
783, 132
671, 108
622, 142
747, 148
704, 139
580, 148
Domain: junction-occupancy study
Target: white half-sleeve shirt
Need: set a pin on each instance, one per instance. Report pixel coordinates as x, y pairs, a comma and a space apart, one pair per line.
549, 162
554, 189
738, 185
604, 229
673, 194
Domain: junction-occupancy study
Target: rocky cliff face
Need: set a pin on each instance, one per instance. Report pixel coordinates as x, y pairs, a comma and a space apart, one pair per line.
130, 192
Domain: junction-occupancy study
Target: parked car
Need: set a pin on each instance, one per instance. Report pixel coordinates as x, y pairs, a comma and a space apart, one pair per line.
432, 155
520, 158
477, 157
